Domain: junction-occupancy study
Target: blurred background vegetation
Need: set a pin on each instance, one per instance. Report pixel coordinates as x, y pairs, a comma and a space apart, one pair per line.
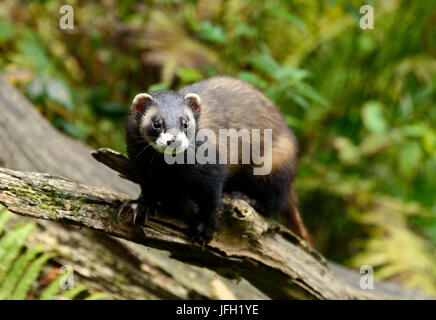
361, 102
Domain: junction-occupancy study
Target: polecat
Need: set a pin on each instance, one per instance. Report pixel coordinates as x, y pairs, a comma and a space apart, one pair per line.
162, 119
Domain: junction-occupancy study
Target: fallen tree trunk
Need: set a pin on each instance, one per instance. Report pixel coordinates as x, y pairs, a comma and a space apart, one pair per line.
131, 271
269, 256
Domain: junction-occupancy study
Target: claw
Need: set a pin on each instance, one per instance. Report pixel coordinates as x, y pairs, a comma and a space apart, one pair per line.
125, 206
146, 214
137, 209
194, 238
202, 242
134, 207
201, 235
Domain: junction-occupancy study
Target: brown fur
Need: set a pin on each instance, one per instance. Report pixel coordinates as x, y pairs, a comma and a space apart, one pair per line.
231, 103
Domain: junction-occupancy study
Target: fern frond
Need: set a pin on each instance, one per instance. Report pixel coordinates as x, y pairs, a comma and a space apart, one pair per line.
29, 277
394, 249
98, 296
11, 244
5, 216
74, 292
18, 269
50, 292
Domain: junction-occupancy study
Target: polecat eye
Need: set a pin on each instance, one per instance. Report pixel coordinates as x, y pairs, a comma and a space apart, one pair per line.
156, 125
186, 125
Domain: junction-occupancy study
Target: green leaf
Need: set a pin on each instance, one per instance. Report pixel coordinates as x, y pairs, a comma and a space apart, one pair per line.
374, 143
6, 31
291, 75
212, 33
36, 88
188, 75
59, 92
372, 117
292, 121
253, 78
245, 30
265, 63
77, 130
415, 130
284, 14
348, 153
409, 160
429, 142
158, 86
31, 53
299, 100
310, 93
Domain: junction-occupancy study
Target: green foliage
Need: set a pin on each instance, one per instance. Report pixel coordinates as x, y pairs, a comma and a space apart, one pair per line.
22, 267
393, 249
361, 102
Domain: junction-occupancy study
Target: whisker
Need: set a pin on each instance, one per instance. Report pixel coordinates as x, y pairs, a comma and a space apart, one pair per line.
139, 142
139, 154
154, 154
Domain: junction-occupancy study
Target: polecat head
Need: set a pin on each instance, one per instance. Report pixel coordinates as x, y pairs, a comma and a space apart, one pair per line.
166, 119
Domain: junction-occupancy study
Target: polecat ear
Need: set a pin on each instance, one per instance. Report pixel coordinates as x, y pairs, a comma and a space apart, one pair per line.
194, 102
140, 102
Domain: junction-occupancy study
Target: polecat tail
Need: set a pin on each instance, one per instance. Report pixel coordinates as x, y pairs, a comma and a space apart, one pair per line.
294, 219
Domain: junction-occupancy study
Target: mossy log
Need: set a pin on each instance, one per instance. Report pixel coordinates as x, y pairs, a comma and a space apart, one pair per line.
247, 246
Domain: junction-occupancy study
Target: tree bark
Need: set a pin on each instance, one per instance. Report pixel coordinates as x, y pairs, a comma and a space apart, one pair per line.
269, 256
272, 258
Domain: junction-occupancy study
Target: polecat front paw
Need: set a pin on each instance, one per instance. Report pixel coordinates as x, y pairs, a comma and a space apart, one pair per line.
203, 233
140, 211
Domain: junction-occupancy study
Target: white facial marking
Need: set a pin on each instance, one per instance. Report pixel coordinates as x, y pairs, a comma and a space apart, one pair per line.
162, 140
180, 138
184, 141
188, 112
146, 118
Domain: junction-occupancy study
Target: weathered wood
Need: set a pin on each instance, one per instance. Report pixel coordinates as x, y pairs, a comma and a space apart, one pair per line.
126, 269
266, 254
120, 164
114, 160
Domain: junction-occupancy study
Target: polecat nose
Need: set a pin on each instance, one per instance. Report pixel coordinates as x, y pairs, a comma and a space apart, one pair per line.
174, 142
171, 141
